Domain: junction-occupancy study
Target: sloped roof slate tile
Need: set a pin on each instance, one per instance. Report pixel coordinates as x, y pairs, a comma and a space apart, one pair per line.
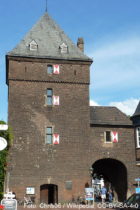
48, 36
137, 112
104, 115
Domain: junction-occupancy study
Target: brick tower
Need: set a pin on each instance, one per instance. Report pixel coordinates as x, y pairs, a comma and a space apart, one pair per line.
48, 81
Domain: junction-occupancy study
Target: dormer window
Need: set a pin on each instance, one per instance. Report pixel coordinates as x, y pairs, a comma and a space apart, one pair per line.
33, 46
63, 48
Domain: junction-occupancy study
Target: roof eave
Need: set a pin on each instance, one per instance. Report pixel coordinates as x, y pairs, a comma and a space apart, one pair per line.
111, 124
50, 57
135, 115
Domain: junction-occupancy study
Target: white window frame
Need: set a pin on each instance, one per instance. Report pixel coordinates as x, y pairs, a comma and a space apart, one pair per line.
108, 142
138, 137
49, 96
51, 134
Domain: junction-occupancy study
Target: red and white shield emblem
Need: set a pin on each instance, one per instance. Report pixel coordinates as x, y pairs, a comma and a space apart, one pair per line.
55, 138
114, 135
56, 69
56, 100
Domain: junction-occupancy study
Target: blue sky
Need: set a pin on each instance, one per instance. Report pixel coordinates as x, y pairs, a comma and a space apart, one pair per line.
111, 30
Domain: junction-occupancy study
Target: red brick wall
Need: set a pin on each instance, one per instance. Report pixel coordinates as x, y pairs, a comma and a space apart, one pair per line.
32, 162
123, 151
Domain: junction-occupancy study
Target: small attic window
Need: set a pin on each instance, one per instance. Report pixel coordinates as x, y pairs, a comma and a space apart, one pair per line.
63, 48
33, 45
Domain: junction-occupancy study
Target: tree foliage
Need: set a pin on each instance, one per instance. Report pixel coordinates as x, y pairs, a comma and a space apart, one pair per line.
3, 156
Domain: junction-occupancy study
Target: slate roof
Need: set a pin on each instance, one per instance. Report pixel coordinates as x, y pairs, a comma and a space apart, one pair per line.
48, 36
137, 112
105, 115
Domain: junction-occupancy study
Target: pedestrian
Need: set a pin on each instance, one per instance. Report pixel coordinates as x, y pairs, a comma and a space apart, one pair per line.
103, 194
110, 196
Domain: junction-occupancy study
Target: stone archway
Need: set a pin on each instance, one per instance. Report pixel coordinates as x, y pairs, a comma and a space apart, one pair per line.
49, 193
113, 172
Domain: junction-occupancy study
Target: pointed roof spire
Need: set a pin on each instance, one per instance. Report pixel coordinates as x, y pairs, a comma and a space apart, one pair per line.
137, 112
136, 116
47, 40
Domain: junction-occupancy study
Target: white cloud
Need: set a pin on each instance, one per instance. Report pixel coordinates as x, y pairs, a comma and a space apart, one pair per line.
93, 103
116, 65
117, 48
128, 106
115, 74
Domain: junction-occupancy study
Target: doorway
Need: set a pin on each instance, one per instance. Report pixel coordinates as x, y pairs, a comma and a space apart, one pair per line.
49, 193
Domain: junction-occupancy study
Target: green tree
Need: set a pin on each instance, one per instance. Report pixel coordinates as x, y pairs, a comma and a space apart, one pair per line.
3, 156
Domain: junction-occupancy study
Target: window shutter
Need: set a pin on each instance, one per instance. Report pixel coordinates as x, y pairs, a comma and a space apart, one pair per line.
56, 100
114, 136
56, 69
55, 138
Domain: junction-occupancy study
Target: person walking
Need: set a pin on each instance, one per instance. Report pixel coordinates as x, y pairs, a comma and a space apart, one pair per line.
103, 193
110, 196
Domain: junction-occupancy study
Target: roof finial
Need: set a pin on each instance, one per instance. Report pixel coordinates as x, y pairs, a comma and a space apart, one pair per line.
46, 5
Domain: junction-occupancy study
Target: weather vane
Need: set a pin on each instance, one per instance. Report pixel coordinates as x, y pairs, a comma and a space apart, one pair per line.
46, 5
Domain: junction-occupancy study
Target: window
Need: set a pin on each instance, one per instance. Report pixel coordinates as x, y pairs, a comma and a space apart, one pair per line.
49, 135
68, 185
30, 190
50, 69
49, 97
53, 69
33, 46
138, 136
63, 48
108, 137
